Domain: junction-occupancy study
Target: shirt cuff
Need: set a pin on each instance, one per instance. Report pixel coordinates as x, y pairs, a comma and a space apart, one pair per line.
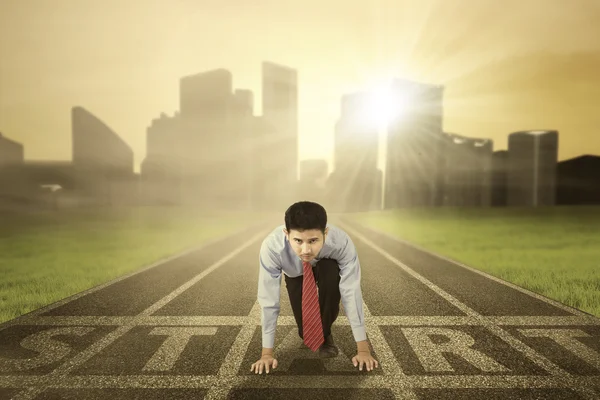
359, 333
268, 341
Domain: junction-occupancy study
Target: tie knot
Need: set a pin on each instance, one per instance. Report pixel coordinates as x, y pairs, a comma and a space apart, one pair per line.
306, 264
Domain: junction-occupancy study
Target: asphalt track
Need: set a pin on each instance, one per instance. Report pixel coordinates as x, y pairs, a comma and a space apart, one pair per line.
189, 327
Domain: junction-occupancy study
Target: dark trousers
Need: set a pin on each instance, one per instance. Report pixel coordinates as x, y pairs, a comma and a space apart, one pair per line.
327, 275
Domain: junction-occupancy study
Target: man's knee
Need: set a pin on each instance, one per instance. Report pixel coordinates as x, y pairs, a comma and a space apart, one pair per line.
329, 271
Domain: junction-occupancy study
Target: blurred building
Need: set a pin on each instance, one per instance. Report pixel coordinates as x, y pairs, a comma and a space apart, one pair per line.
280, 112
160, 169
499, 172
11, 152
313, 178
578, 181
102, 160
264, 166
45, 183
215, 152
355, 183
414, 146
532, 160
11, 179
97, 147
314, 171
467, 171
202, 154
206, 94
101, 172
42, 173
243, 102
207, 140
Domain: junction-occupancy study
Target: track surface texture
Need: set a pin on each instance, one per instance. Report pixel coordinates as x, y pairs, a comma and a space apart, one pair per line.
189, 327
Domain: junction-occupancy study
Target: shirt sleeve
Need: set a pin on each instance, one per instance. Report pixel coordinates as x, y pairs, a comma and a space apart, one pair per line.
269, 285
347, 258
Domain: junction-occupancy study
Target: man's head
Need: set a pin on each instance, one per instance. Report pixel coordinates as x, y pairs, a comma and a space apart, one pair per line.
306, 228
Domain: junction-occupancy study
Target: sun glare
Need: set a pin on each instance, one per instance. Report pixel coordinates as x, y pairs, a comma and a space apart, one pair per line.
384, 105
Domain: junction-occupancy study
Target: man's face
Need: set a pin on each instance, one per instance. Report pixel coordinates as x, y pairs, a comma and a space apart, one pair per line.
306, 244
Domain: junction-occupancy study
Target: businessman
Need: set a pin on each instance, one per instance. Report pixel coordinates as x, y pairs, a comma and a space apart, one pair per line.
321, 267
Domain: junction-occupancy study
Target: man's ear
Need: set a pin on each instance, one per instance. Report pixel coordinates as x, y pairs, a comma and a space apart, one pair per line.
285, 232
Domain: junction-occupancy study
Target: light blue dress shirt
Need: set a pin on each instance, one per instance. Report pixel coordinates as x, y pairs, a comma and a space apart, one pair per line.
277, 256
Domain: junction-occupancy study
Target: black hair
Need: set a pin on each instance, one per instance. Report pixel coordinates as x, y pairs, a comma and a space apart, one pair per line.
305, 215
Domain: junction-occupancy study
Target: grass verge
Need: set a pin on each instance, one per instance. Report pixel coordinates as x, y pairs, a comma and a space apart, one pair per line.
47, 256
552, 251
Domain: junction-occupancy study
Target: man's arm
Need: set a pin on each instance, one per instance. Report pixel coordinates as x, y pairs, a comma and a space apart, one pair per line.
269, 286
350, 290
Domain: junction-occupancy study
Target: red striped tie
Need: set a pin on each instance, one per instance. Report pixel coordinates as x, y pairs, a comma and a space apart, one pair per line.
312, 326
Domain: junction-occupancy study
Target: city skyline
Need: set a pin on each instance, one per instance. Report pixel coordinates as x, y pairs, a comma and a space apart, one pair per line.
44, 77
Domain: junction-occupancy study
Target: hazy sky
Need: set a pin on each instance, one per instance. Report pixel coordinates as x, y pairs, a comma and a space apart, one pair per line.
122, 60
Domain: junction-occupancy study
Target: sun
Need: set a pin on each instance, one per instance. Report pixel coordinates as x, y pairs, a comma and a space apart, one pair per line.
384, 105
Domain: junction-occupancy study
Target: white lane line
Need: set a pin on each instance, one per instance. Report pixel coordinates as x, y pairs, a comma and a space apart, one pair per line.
19, 320
384, 356
63, 370
537, 296
531, 354
234, 358
342, 320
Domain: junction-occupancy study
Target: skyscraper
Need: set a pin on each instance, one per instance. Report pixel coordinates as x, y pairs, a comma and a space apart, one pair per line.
313, 175
532, 161
413, 145
206, 94
98, 148
354, 184
467, 171
210, 137
280, 111
499, 172
102, 159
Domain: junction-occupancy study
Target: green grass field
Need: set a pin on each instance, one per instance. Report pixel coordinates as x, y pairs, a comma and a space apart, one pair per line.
48, 256
552, 251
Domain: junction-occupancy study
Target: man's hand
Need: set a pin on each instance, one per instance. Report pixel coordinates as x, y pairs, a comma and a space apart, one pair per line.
366, 358
265, 362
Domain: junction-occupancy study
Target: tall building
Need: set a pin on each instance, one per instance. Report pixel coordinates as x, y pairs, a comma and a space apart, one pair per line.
103, 160
264, 166
244, 102
216, 152
532, 160
97, 147
201, 155
356, 138
353, 185
499, 172
414, 143
313, 175
206, 94
280, 111
467, 171
205, 136
161, 168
